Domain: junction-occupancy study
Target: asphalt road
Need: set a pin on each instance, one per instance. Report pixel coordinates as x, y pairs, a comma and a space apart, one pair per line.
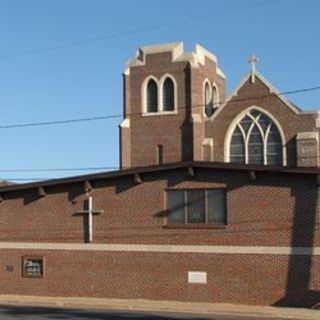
12, 313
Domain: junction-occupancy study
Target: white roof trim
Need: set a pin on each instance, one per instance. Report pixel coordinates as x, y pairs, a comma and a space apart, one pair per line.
307, 136
201, 53
195, 58
220, 73
196, 118
267, 83
125, 123
232, 95
277, 92
208, 142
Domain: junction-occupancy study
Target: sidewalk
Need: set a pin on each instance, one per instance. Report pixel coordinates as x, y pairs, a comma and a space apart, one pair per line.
160, 306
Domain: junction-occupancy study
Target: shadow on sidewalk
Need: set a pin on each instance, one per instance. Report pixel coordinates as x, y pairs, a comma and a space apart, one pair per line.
41, 313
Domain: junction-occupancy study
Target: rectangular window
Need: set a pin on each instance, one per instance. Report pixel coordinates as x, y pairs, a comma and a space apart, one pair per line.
176, 207
33, 267
196, 206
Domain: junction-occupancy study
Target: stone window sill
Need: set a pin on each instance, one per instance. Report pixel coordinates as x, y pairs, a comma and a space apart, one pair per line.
159, 113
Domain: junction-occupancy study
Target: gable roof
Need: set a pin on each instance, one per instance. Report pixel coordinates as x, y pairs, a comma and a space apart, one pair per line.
272, 89
160, 168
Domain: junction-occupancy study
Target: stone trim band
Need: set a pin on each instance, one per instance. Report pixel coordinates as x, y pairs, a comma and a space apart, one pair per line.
260, 250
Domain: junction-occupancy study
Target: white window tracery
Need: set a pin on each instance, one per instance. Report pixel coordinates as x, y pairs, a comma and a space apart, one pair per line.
256, 140
210, 98
159, 96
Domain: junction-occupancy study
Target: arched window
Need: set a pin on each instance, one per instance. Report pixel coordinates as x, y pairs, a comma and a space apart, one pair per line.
208, 103
274, 146
152, 96
256, 139
215, 96
168, 95
210, 98
237, 149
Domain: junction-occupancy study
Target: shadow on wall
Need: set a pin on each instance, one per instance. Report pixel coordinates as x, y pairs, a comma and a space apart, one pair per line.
298, 292
186, 128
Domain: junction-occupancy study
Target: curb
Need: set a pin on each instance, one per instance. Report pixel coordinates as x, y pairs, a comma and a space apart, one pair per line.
160, 306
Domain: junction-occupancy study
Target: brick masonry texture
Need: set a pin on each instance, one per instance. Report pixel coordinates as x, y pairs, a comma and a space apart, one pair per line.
275, 210
182, 139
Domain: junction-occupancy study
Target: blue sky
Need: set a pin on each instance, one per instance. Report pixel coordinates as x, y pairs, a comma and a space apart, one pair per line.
85, 80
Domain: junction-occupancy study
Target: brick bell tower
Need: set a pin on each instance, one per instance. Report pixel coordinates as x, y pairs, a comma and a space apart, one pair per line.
169, 95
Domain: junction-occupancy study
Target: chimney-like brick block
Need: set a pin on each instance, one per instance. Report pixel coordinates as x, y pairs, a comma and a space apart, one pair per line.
125, 144
198, 134
307, 149
207, 148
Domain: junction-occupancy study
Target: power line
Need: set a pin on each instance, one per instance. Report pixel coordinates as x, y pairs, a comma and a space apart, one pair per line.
114, 116
58, 169
134, 31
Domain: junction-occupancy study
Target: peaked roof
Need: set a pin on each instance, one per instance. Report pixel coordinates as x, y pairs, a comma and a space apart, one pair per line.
272, 89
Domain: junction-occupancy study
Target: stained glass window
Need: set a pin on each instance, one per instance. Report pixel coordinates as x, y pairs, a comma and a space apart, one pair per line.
256, 140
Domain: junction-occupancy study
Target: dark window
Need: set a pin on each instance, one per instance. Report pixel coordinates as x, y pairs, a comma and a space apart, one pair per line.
208, 103
256, 139
215, 97
176, 207
168, 95
196, 211
274, 146
152, 96
160, 154
196, 206
216, 203
33, 267
237, 148
255, 146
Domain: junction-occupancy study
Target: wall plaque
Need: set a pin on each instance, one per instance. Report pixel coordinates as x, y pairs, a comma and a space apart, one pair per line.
197, 277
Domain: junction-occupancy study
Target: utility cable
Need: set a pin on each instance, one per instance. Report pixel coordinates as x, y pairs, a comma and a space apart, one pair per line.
134, 31
114, 116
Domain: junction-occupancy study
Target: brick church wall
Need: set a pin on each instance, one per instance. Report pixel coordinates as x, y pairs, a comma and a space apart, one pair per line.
258, 94
275, 210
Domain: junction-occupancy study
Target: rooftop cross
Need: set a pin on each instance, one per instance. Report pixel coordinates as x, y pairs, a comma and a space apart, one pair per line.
253, 59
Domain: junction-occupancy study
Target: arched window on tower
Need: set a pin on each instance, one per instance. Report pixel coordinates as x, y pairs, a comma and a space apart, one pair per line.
208, 102
256, 140
168, 95
215, 96
152, 96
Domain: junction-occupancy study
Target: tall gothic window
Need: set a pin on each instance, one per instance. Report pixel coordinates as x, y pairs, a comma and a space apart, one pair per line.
208, 102
168, 95
256, 139
152, 96
210, 98
215, 96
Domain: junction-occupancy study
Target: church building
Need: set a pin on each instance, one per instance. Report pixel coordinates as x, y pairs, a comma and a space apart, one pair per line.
216, 199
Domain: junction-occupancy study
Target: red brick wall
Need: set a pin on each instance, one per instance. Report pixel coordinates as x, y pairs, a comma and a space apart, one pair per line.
175, 131
243, 279
170, 131
258, 94
275, 210
259, 213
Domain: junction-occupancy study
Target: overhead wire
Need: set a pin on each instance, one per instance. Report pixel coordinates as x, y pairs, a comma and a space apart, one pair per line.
134, 31
114, 116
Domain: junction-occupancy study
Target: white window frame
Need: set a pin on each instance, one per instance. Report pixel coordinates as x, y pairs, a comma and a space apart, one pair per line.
215, 102
160, 84
144, 95
235, 123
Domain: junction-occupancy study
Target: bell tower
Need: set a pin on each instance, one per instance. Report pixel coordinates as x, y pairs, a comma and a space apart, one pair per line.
169, 95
